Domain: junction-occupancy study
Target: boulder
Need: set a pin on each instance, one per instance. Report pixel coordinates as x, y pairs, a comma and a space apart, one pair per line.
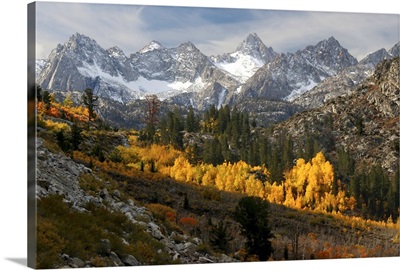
155, 231
105, 247
114, 257
205, 260
76, 263
129, 260
103, 193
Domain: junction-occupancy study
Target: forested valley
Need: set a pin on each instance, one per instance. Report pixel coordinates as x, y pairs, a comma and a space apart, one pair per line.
193, 172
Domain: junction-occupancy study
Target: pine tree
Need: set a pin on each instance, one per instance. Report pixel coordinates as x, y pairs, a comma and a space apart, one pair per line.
76, 136
252, 214
39, 92
89, 100
192, 123
213, 152
152, 107
219, 237
46, 98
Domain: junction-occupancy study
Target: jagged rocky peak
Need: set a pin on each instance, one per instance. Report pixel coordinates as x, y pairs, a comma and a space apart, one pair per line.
78, 42
330, 55
254, 46
395, 50
189, 57
249, 56
187, 47
116, 53
293, 74
188, 54
387, 77
251, 43
153, 45
376, 57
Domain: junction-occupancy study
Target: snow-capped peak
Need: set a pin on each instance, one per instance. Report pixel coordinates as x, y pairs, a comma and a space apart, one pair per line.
116, 53
249, 56
154, 45
251, 44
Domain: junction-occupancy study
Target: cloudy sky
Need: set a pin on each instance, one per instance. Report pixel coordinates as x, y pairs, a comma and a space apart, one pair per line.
213, 30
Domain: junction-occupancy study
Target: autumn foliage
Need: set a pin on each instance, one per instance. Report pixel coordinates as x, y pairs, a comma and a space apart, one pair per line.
308, 185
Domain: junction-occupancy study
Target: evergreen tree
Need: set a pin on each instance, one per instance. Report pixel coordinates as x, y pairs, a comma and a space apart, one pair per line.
39, 92
254, 154
265, 152
192, 122
345, 166
219, 237
76, 136
288, 153
235, 128
98, 152
213, 152
225, 149
89, 100
276, 165
252, 214
355, 186
393, 197
186, 202
178, 128
223, 118
151, 111
62, 141
46, 99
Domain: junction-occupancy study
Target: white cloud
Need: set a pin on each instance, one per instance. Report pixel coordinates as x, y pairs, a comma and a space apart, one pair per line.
132, 27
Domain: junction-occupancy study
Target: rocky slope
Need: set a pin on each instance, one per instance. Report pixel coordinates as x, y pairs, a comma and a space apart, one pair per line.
249, 56
365, 123
292, 74
52, 171
344, 81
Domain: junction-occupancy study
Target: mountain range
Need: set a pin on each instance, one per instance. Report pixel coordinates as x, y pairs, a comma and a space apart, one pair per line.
253, 73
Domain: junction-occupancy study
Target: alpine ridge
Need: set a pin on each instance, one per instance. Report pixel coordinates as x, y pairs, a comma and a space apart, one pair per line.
252, 74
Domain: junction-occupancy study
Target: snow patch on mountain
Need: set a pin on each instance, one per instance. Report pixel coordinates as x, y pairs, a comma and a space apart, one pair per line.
221, 98
154, 45
243, 67
142, 86
40, 64
301, 89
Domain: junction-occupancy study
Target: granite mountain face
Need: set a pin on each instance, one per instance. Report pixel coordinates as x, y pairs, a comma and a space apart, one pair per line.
292, 74
252, 74
344, 81
364, 122
249, 56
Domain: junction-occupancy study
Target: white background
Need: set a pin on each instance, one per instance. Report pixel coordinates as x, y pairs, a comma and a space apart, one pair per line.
13, 165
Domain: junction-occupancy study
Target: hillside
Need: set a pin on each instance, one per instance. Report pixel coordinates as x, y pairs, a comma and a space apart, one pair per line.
138, 218
168, 195
364, 123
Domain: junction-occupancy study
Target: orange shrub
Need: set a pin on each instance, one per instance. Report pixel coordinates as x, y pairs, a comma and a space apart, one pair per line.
170, 216
188, 221
162, 212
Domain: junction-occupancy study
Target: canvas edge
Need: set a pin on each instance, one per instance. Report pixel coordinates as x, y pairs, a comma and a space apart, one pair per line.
31, 136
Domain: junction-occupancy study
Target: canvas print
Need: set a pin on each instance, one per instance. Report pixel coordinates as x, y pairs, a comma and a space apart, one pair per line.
162, 135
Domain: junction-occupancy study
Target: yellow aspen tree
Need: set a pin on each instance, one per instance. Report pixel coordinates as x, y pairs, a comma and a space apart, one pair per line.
289, 201
276, 193
220, 179
209, 176
254, 187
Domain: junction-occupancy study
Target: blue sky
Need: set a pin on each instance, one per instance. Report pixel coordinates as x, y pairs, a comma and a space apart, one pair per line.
213, 30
